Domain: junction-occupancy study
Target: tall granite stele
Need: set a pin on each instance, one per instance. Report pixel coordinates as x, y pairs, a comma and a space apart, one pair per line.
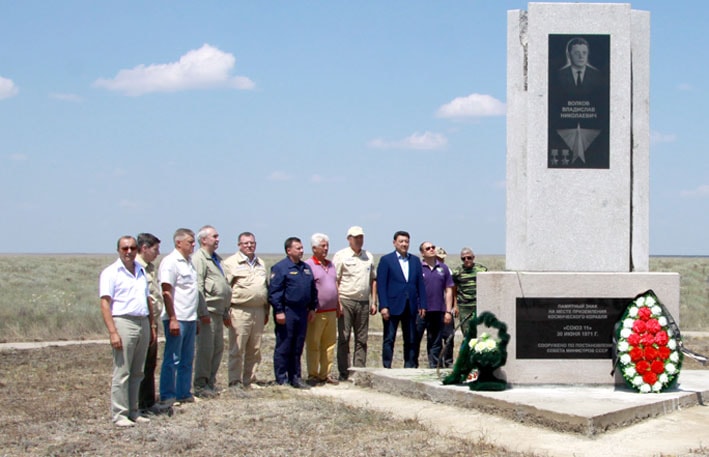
577, 190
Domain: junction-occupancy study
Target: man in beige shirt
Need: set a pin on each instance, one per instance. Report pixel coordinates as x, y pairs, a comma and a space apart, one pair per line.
215, 291
357, 291
246, 274
148, 251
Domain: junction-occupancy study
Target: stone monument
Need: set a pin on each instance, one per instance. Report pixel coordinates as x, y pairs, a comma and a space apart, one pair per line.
577, 190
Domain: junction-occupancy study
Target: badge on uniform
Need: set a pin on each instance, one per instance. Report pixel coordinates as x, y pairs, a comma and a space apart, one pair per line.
293, 272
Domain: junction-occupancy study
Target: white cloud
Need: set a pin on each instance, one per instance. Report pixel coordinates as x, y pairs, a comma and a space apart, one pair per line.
7, 88
17, 157
203, 68
279, 176
66, 97
657, 137
701, 191
419, 141
474, 105
685, 86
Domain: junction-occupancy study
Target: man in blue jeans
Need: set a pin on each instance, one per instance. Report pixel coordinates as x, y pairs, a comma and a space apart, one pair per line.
178, 280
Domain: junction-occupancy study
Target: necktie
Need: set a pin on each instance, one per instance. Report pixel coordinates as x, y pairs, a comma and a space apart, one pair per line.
578, 78
216, 260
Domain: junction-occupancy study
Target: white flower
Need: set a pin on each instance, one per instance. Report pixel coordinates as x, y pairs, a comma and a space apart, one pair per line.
672, 344
657, 386
490, 345
649, 301
472, 343
628, 323
626, 332
637, 380
645, 388
663, 378
633, 311
625, 359
629, 371
656, 310
670, 368
662, 320
623, 346
674, 357
670, 332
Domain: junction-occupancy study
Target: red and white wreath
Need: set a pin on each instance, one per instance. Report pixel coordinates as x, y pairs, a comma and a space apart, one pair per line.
649, 353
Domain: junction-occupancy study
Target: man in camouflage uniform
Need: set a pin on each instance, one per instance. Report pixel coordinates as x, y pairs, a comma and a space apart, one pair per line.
465, 289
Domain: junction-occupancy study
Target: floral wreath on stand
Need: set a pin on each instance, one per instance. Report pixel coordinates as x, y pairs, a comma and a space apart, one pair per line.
648, 345
483, 355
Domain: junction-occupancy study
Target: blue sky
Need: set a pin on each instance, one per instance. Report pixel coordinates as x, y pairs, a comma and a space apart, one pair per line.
288, 118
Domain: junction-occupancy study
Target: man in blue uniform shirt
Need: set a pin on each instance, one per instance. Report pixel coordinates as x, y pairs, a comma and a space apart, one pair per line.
294, 298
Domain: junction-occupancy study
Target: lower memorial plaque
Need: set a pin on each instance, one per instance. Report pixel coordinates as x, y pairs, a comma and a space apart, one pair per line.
567, 328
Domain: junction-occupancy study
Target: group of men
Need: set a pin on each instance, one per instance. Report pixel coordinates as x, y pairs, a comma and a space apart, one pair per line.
317, 304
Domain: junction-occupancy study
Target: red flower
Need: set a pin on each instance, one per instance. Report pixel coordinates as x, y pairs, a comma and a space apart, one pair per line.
639, 326
644, 313
650, 353
650, 378
634, 339
642, 367
636, 354
664, 352
657, 367
648, 339
653, 326
661, 338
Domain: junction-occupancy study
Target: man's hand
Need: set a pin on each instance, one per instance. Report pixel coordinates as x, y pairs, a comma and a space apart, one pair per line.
447, 318
116, 342
281, 318
373, 309
311, 315
227, 322
174, 327
385, 313
422, 313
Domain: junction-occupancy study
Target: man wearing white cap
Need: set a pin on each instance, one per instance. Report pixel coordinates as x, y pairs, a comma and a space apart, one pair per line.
357, 291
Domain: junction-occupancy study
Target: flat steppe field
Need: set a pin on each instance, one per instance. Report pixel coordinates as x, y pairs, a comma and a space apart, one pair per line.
55, 401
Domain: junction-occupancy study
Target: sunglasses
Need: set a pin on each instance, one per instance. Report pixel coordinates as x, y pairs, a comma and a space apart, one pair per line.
469, 257
429, 248
129, 248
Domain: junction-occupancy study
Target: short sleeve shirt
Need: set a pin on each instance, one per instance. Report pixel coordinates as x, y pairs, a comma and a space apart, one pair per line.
128, 292
181, 275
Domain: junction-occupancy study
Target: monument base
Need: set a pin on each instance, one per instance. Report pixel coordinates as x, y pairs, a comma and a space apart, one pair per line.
562, 323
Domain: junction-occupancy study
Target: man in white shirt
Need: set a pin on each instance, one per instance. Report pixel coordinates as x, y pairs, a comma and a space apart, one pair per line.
178, 280
123, 289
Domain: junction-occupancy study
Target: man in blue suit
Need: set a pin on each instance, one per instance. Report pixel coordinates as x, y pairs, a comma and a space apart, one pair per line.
401, 297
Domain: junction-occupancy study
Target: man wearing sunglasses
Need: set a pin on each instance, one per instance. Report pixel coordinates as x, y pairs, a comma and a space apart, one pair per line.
439, 296
465, 281
123, 289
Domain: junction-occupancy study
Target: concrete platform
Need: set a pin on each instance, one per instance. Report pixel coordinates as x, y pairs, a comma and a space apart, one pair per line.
585, 410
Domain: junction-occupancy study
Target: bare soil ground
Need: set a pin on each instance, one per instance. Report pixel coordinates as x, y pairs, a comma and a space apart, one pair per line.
55, 401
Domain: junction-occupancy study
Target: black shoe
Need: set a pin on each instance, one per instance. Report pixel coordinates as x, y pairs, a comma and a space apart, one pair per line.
299, 384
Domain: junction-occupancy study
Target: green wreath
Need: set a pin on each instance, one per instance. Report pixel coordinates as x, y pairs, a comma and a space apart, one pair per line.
485, 354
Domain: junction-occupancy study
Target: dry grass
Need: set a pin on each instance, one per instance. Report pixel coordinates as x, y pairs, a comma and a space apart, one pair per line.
55, 402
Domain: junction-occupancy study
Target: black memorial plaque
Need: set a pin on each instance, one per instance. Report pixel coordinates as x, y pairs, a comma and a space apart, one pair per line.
579, 99
567, 328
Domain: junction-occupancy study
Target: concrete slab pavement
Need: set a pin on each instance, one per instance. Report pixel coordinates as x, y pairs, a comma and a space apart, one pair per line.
681, 432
